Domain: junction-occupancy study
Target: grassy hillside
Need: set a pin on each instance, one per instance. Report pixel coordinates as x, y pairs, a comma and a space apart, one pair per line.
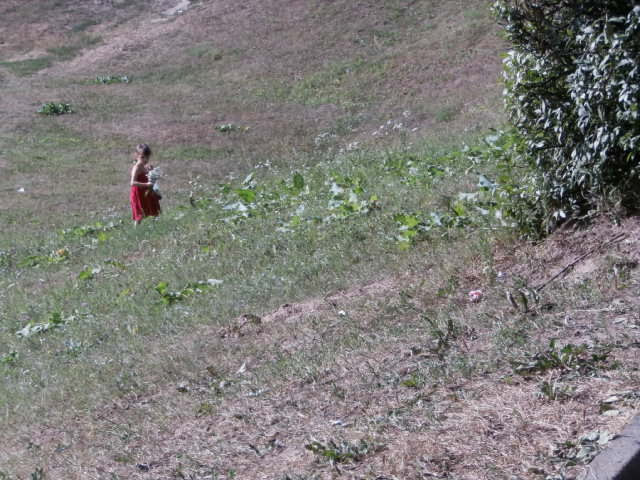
297, 78
300, 310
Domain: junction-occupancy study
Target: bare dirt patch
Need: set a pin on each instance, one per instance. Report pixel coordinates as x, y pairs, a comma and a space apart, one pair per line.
609, 247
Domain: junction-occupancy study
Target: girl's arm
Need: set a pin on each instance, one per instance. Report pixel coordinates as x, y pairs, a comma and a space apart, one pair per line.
134, 173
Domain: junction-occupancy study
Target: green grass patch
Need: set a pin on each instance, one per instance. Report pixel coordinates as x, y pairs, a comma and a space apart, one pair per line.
235, 248
347, 84
23, 68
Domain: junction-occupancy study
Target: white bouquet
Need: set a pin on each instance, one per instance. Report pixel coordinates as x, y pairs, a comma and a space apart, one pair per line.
154, 175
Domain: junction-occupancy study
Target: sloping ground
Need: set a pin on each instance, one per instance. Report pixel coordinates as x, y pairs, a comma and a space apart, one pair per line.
298, 79
394, 380
399, 379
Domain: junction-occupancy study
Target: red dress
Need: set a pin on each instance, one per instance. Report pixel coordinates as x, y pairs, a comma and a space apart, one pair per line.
144, 203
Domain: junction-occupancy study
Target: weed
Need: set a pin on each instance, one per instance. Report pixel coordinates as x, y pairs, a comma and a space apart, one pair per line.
91, 229
443, 332
411, 228
205, 409
9, 358
555, 391
38, 474
415, 381
230, 127
57, 256
346, 193
5, 259
342, 451
447, 113
583, 450
89, 273
53, 108
581, 359
170, 297
55, 320
109, 79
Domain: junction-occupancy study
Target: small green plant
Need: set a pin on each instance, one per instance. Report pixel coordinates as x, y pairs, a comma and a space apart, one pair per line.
412, 229
5, 258
582, 451
109, 79
91, 229
205, 409
53, 108
55, 320
57, 256
342, 451
346, 193
9, 359
230, 127
89, 273
555, 391
443, 332
415, 381
38, 474
581, 359
170, 297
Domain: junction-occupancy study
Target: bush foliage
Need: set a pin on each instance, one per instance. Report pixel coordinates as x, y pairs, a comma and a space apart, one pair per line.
572, 92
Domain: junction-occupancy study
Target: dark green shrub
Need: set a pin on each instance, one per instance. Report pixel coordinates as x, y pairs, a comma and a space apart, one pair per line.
573, 94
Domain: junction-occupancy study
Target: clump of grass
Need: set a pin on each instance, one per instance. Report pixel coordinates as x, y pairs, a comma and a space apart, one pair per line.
447, 113
230, 127
578, 358
55, 108
109, 79
342, 451
57, 256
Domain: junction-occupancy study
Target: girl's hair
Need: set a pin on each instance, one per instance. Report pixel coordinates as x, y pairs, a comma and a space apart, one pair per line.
144, 149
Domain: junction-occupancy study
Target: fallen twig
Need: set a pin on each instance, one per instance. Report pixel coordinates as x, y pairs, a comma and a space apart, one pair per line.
615, 239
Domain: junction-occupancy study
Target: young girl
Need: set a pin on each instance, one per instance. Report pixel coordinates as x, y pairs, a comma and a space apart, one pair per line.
144, 202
